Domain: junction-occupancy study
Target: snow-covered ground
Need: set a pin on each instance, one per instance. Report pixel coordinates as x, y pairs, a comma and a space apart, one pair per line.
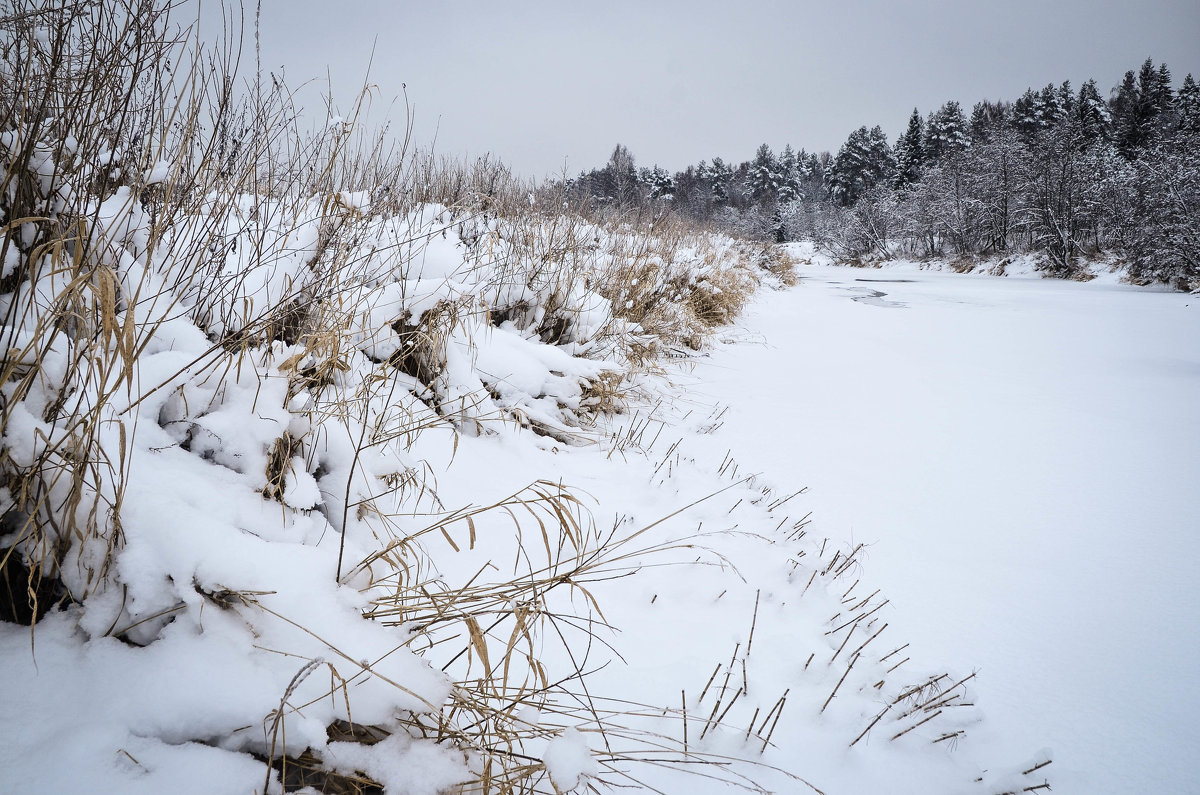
1022, 456
1018, 457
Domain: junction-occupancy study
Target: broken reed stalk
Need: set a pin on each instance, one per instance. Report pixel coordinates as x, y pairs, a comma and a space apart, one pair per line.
856, 619
683, 704
732, 701
774, 723
945, 694
845, 640
780, 502
710, 681
711, 716
1036, 767
916, 690
864, 602
948, 736
878, 632
839, 684
778, 705
921, 722
846, 563
753, 622
871, 725
750, 727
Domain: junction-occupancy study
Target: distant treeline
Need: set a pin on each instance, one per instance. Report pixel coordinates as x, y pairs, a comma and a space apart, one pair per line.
1067, 174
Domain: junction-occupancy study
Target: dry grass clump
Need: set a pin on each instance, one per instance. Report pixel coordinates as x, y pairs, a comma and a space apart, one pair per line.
520, 649
667, 281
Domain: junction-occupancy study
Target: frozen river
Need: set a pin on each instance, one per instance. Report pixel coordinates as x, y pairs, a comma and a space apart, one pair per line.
1023, 455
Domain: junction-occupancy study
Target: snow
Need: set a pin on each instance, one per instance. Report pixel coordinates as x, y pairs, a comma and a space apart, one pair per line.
158, 172
897, 530
1021, 456
568, 760
401, 765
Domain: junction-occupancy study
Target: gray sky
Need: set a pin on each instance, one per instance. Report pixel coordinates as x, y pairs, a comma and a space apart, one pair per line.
545, 83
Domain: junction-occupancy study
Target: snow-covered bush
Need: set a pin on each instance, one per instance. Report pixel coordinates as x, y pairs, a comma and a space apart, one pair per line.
229, 346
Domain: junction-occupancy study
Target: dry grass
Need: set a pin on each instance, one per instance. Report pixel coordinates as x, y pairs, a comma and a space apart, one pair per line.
94, 103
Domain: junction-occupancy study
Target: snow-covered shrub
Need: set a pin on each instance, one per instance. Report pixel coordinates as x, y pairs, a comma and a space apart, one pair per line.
226, 343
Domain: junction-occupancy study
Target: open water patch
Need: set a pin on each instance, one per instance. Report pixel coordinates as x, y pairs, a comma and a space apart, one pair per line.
875, 298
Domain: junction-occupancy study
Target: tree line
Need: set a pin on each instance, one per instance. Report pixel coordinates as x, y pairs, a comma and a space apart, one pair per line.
1068, 175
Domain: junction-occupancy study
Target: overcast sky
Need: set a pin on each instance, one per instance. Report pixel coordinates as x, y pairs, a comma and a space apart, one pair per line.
543, 84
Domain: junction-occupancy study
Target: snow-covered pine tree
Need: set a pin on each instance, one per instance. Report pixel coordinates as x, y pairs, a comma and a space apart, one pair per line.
986, 118
789, 176
1026, 115
1095, 119
1066, 100
1051, 107
658, 181
763, 176
1142, 107
720, 175
945, 133
1163, 97
863, 161
1187, 105
1124, 110
910, 151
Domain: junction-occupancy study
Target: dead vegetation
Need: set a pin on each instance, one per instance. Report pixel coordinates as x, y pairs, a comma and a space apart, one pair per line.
146, 197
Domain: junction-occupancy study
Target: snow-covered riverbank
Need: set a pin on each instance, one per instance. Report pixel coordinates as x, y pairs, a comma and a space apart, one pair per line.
793, 552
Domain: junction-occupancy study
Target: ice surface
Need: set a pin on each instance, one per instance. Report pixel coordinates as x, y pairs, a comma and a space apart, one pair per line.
1021, 456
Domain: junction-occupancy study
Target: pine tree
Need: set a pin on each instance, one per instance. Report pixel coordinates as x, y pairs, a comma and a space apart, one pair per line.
945, 133
1026, 115
864, 160
986, 119
1154, 95
658, 181
1142, 107
910, 152
1066, 100
763, 178
1095, 119
720, 175
1124, 109
789, 174
1163, 96
1052, 106
1188, 105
